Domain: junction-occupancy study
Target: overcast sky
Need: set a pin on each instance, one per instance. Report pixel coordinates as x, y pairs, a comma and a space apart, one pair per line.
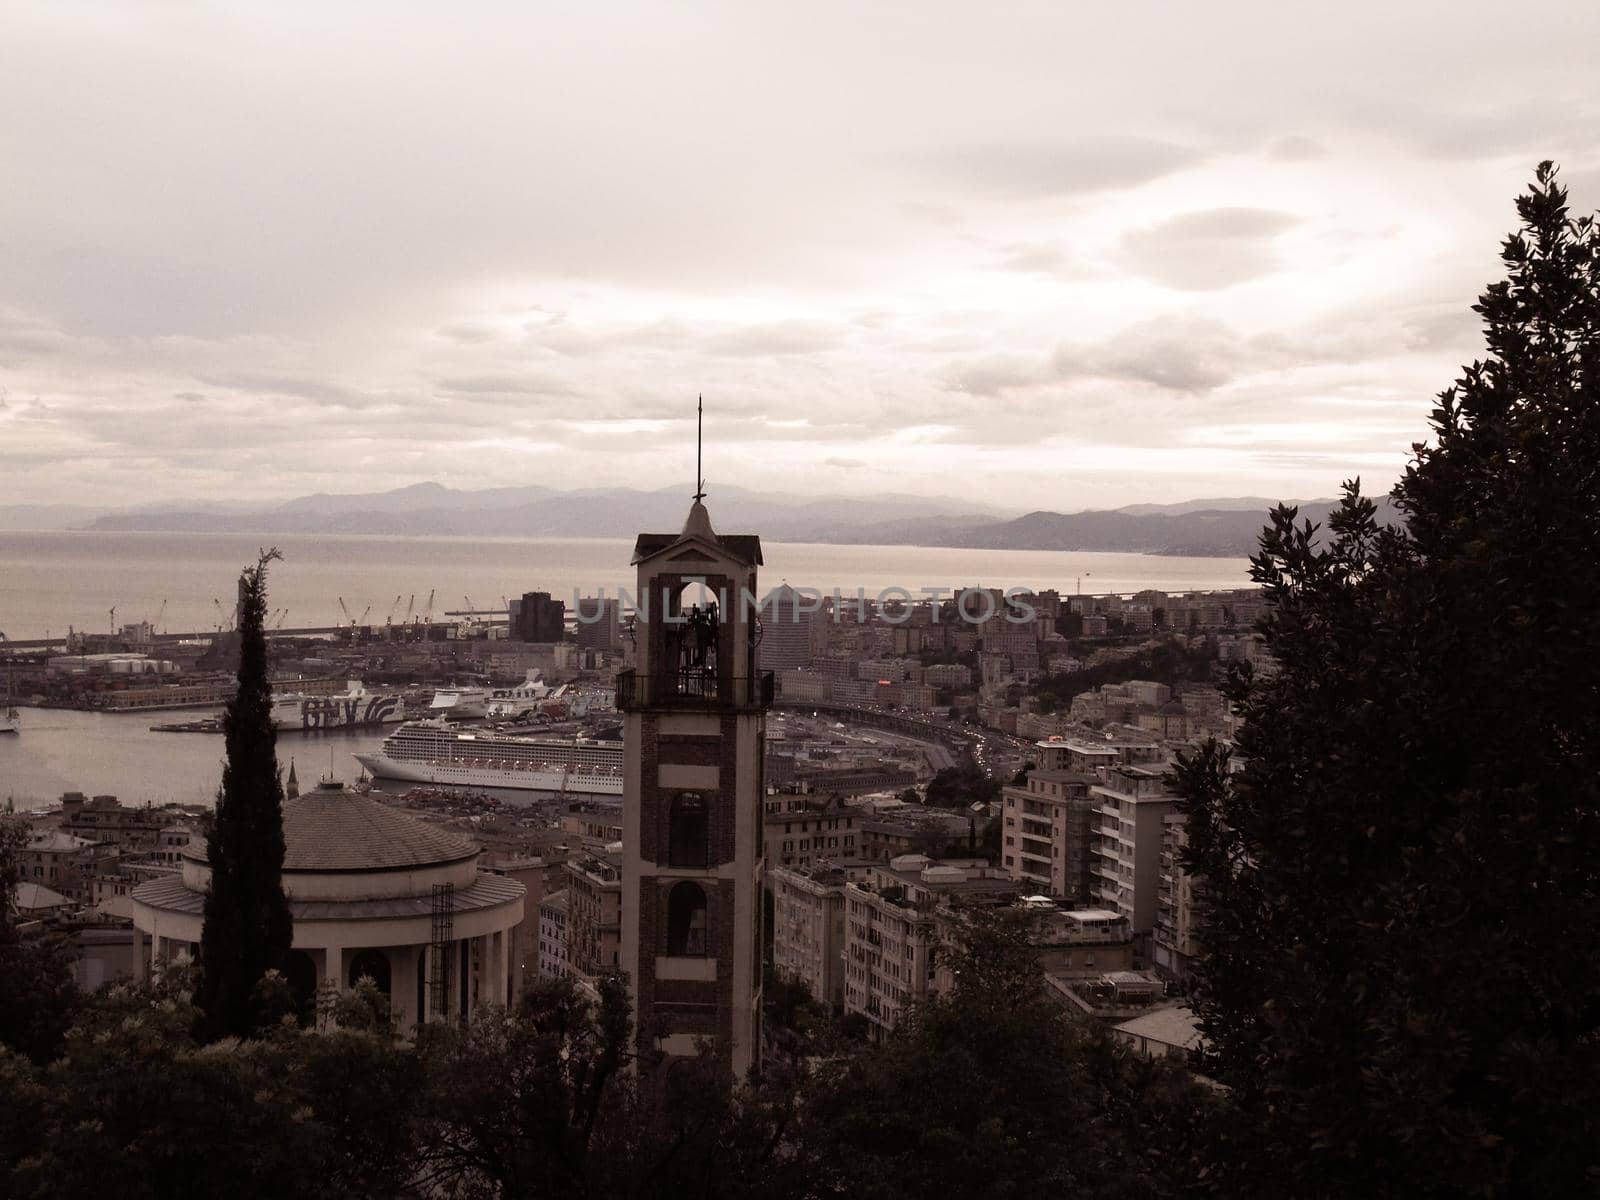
1058, 255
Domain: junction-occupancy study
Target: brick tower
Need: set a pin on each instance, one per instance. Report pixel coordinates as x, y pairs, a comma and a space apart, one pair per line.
694, 730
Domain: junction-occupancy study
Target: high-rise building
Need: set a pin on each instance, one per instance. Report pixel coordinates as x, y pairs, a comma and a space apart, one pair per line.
788, 630
536, 617
598, 623
1125, 861
695, 730
1175, 944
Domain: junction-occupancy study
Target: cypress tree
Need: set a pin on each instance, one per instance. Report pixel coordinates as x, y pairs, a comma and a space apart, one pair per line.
247, 929
1401, 971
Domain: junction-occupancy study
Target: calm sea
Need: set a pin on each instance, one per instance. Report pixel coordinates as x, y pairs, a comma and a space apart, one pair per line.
58, 750
49, 581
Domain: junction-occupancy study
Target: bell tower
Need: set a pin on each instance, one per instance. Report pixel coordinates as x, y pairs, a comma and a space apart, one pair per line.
694, 730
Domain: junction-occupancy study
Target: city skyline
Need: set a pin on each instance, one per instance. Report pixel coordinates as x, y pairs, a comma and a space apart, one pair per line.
1083, 259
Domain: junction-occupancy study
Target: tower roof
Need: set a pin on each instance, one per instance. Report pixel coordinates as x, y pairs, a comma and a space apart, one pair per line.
698, 523
746, 547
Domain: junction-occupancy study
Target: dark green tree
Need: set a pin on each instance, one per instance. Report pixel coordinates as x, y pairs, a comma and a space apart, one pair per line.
247, 930
991, 1089
134, 1107
1401, 983
963, 784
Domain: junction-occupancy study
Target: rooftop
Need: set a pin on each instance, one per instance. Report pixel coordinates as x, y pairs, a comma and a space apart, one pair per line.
487, 891
1174, 1026
331, 828
746, 547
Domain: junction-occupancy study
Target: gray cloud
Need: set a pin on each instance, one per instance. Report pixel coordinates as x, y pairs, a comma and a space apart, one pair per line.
996, 373
1208, 250
774, 338
1177, 354
522, 384
1033, 258
1068, 167
468, 333
1296, 148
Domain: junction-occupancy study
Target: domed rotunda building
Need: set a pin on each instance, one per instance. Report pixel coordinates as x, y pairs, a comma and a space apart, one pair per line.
374, 892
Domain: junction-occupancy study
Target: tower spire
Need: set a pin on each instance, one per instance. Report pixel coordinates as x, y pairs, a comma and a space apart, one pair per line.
699, 431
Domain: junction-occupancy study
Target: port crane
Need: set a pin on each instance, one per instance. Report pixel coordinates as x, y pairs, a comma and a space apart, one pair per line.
218, 603
113, 618
346, 613
281, 617
388, 621
427, 614
160, 615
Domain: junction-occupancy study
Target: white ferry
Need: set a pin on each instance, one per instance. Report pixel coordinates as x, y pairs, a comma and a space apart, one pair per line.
519, 701
460, 703
355, 706
433, 752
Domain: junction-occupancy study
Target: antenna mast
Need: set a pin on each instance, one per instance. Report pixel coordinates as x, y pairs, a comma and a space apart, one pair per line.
699, 429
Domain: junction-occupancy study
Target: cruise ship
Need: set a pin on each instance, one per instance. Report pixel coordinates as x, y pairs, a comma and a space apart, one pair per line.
355, 706
433, 752
460, 703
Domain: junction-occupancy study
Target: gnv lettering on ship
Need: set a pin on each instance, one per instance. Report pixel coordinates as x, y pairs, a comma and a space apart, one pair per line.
332, 713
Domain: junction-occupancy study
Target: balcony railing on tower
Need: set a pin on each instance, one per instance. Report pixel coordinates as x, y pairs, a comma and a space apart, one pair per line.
694, 690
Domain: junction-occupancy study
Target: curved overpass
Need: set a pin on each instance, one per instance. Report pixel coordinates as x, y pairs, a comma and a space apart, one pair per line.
958, 740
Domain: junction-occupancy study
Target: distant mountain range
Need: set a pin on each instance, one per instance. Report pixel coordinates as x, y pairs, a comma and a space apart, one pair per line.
1213, 527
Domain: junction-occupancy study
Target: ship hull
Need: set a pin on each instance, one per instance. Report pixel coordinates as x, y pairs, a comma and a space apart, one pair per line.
460, 774
315, 713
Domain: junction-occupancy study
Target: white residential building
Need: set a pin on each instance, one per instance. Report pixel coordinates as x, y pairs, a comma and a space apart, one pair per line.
808, 928
1125, 853
890, 935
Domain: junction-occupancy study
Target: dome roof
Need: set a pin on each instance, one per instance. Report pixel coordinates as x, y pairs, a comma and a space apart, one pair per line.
331, 828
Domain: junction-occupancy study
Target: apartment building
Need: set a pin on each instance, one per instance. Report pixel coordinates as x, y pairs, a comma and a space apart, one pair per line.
1174, 946
1046, 827
1125, 864
553, 935
1070, 943
65, 863
808, 928
891, 938
799, 829
594, 915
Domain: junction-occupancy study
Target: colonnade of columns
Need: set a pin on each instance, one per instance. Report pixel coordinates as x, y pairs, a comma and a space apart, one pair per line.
479, 971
